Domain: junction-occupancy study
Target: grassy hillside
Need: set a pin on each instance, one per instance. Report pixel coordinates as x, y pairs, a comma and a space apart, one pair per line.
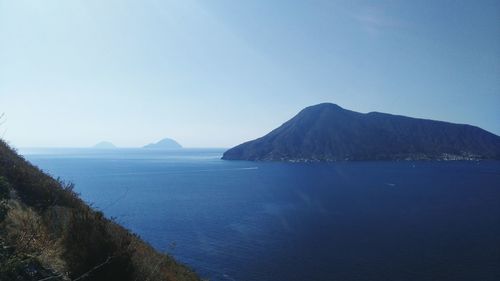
48, 233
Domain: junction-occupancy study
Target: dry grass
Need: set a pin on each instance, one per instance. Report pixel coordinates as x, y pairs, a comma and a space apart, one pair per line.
25, 231
49, 223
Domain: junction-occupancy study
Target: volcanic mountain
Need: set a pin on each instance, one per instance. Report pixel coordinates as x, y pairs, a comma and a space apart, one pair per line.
327, 132
164, 144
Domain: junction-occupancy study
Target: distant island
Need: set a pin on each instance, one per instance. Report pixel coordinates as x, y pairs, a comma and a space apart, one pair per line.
327, 132
165, 143
104, 145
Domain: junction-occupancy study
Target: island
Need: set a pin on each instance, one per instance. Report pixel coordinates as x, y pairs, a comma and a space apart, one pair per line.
165, 143
328, 132
104, 145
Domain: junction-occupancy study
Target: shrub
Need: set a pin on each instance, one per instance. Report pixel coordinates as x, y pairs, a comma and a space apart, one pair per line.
4, 188
4, 195
88, 243
49, 223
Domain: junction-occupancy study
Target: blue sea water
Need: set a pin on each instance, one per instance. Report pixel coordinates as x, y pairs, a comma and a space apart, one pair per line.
251, 221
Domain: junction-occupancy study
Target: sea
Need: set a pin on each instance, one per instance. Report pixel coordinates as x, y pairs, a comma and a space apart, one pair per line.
272, 221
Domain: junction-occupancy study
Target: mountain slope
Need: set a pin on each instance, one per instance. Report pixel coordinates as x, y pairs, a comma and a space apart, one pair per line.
164, 144
48, 233
104, 145
327, 132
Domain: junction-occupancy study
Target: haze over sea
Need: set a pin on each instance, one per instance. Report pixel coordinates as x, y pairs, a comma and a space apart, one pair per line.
257, 221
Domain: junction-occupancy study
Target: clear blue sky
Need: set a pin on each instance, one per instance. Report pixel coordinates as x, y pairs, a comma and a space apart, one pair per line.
215, 73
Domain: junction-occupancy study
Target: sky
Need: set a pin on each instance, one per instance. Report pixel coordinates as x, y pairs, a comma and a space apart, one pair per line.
216, 73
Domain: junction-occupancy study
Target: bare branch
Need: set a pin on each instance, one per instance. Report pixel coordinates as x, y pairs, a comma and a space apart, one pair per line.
51, 277
86, 274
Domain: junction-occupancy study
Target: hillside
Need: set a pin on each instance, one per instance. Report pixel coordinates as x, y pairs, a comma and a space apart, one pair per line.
327, 132
48, 233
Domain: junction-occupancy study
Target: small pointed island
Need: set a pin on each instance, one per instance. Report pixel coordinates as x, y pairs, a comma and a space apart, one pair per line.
104, 145
328, 132
165, 143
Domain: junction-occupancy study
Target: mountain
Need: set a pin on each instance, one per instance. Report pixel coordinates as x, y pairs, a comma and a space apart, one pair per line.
327, 132
164, 144
104, 145
48, 233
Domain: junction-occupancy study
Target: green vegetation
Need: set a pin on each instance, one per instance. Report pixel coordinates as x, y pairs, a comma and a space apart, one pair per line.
48, 233
4, 196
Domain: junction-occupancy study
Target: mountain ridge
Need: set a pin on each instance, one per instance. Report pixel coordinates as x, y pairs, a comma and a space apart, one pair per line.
166, 143
327, 132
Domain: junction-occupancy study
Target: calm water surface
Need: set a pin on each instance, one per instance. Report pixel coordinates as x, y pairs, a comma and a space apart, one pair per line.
246, 221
